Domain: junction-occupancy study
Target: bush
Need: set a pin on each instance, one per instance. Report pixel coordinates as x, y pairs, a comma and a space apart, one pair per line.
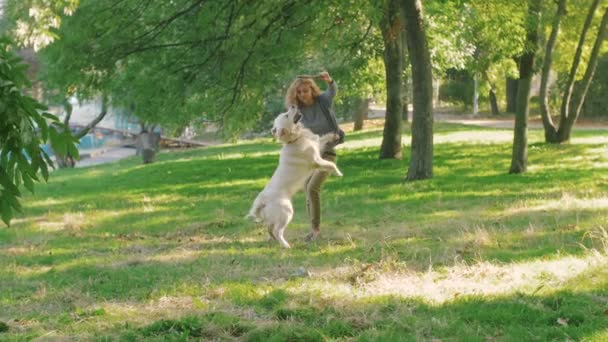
457, 88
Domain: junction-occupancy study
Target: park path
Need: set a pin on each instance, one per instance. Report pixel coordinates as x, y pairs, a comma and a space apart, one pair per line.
103, 155
469, 119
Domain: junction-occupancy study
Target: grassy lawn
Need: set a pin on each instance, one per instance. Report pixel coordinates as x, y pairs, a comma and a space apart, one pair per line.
127, 251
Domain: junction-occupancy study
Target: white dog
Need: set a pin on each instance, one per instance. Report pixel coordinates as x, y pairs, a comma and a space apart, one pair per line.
299, 156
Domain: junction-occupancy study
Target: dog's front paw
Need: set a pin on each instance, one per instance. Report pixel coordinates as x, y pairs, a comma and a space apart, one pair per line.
330, 138
338, 173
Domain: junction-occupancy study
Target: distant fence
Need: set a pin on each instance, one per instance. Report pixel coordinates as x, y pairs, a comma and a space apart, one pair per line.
102, 136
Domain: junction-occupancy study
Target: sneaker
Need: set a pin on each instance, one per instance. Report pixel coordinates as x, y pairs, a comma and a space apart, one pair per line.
312, 236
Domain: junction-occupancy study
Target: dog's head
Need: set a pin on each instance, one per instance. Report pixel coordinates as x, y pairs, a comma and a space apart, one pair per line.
286, 126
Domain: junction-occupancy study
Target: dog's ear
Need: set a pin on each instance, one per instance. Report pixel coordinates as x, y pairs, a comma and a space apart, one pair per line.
297, 117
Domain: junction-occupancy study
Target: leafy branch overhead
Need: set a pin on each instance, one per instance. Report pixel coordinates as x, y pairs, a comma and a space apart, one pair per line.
23, 128
209, 60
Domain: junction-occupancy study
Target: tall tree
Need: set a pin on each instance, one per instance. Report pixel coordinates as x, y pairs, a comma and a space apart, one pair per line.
545, 110
421, 162
392, 31
574, 94
519, 160
223, 55
494, 28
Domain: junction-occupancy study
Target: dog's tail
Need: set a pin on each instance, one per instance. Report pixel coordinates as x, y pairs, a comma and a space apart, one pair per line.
256, 208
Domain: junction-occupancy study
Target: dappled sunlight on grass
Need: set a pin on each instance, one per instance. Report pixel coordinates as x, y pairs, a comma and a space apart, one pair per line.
446, 214
229, 156
235, 183
483, 279
566, 202
49, 201
590, 140
69, 221
174, 256
477, 137
361, 143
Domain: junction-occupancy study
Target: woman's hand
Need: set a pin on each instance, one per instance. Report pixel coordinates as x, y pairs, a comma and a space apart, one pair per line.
324, 75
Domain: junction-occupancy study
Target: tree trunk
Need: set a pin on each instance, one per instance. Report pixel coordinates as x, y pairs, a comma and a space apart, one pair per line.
575, 62
519, 161
68, 161
360, 114
475, 95
393, 65
421, 162
576, 95
147, 143
545, 111
492, 95
405, 90
493, 102
436, 87
65, 161
406, 93
102, 114
405, 113
511, 95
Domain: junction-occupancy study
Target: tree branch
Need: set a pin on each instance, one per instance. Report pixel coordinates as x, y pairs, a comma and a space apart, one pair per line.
94, 122
577, 59
549, 126
163, 24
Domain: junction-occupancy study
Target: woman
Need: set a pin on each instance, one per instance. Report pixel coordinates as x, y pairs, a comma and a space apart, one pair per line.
319, 117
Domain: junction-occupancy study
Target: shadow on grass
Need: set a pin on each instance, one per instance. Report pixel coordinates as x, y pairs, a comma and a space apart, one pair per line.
371, 195
176, 227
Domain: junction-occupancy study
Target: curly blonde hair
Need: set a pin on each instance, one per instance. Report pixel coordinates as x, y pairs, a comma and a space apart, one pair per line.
291, 98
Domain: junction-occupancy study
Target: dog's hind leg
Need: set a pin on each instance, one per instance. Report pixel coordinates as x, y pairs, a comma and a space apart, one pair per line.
282, 222
271, 236
279, 229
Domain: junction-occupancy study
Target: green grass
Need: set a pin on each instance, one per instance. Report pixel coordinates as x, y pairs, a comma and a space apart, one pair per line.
162, 252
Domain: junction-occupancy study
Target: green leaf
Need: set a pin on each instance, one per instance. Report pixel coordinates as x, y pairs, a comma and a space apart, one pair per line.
73, 151
50, 116
35, 104
17, 178
10, 167
45, 171
42, 126
4, 158
49, 161
8, 185
13, 200
25, 166
6, 83
28, 182
57, 141
28, 106
5, 210
36, 160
